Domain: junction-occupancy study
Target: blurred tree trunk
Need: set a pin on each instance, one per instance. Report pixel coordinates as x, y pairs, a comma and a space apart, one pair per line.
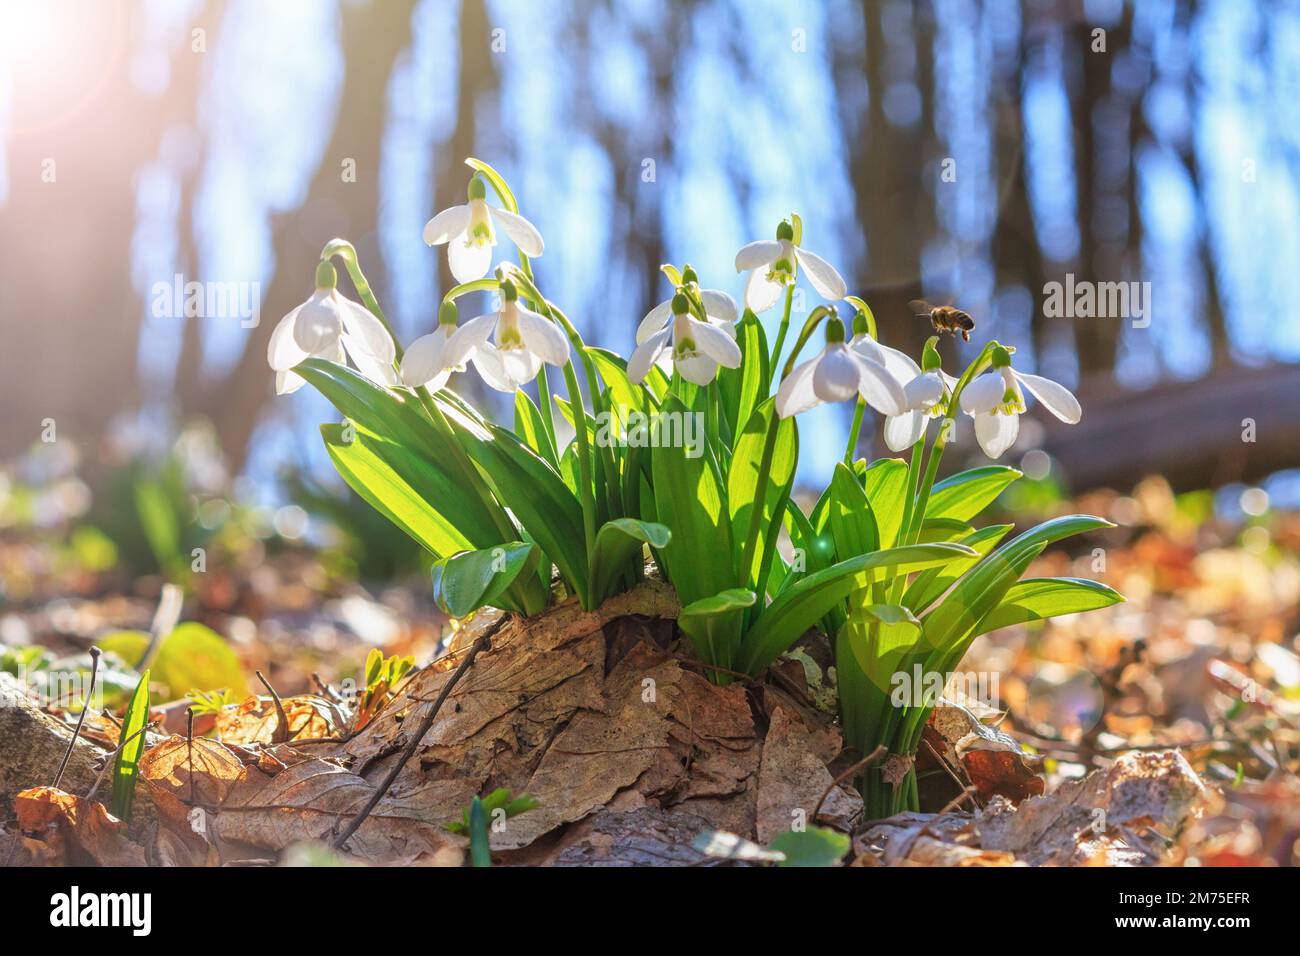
77, 140
373, 36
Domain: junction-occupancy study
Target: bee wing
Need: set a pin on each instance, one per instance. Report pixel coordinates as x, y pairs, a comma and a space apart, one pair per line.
919, 306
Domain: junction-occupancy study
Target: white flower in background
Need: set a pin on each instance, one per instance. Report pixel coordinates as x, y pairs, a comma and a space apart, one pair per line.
773, 264
996, 402
836, 374
468, 232
507, 347
698, 348
330, 326
925, 393
425, 360
719, 308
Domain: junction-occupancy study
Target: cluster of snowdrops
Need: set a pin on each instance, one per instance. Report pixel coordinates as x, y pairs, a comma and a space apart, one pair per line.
889, 563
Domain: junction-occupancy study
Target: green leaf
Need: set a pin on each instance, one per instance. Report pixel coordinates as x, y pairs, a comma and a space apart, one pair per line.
711, 622
743, 491
531, 488
892, 614
480, 852
131, 745
815, 846
743, 388
689, 500
885, 484
928, 586
613, 372
465, 582
967, 493
529, 427
160, 524
196, 658
618, 543
1036, 599
853, 526
802, 604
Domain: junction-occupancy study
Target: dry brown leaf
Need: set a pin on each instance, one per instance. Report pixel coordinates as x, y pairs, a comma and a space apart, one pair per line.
992, 759
73, 831
792, 779
166, 767
255, 719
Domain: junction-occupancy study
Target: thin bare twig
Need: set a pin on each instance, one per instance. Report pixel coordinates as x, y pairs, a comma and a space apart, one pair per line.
862, 764
281, 734
481, 643
85, 706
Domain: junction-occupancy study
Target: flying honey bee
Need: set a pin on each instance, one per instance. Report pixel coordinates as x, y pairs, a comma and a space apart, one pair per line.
945, 318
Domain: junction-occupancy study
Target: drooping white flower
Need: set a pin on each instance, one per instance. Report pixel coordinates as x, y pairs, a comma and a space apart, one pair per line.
996, 402
331, 326
698, 348
773, 265
719, 308
469, 234
925, 393
507, 347
425, 361
836, 374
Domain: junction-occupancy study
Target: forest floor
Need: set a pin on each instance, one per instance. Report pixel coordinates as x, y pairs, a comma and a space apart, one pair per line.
1162, 731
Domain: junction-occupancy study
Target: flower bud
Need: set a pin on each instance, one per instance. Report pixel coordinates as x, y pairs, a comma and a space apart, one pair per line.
689, 276
834, 330
477, 188
327, 276
681, 304
785, 232
448, 314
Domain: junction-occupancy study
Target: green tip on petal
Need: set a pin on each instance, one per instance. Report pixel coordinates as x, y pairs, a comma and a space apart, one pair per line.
477, 188
327, 276
834, 330
860, 324
681, 304
448, 314
1001, 357
785, 232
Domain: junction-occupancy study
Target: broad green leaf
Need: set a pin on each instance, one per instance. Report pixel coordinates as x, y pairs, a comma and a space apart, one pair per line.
618, 544
742, 485
160, 524
1036, 599
689, 500
802, 604
853, 526
131, 740
465, 582
967, 493
711, 622
196, 658
813, 846
944, 529
529, 427
928, 586
743, 388
885, 484
531, 488
613, 371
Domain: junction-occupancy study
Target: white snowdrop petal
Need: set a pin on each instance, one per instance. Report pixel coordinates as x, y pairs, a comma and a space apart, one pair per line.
287, 382
716, 344
468, 260
878, 388
360, 323
1056, 398
654, 320
543, 337
983, 394
520, 365
796, 393
645, 355
761, 292
487, 360
923, 391
521, 232
719, 305
828, 283
373, 367
698, 368
838, 375
996, 433
466, 340
283, 351
757, 254
447, 225
904, 431
318, 324
423, 360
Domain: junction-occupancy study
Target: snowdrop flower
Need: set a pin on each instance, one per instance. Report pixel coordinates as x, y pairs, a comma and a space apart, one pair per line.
996, 402
719, 308
925, 393
425, 361
330, 326
469, 234
698, 348
512, 357
836, 374
773, 264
